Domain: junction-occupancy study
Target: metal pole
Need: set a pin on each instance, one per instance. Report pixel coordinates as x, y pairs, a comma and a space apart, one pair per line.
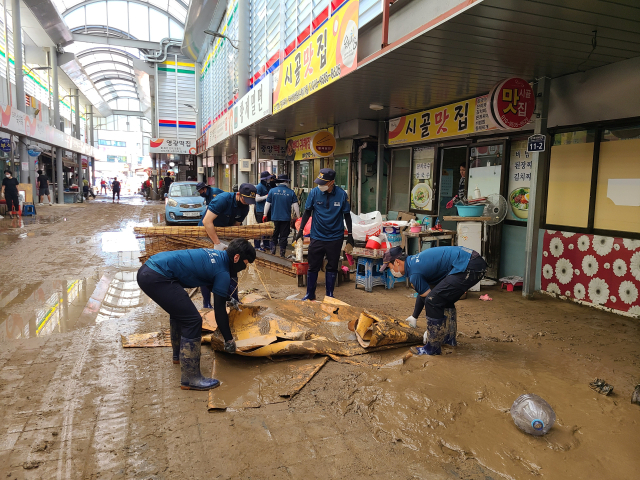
77, 135
20, 99
8, 67
242, 69
538, 169
93, 159
380, 169
53, 53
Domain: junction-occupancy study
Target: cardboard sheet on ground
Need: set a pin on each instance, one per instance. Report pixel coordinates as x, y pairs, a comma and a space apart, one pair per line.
292, 327
253, 382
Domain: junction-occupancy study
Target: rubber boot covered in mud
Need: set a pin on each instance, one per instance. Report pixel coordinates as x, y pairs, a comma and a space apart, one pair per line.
312, 281
451, 326
175, 340
433, 338
191, 378
330, 281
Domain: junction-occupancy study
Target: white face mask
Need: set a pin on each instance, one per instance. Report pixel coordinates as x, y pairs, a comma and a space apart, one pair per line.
323, 188
396, 274
7, 175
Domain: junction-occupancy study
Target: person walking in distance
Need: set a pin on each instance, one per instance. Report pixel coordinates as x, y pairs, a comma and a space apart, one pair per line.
10, 193
103, 186
266, 184
43, 187
279, 202
329, 205
115, 188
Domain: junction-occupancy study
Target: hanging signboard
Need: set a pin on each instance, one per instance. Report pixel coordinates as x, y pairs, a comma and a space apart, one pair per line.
221, 129
512, 103
272, 149
253, 106
536, 143
169, 145
20, 123
5, 145
323, 143
329, 53
442, 122
301, 146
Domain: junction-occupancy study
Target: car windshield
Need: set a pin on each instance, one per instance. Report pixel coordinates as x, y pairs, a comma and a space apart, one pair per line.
183, 190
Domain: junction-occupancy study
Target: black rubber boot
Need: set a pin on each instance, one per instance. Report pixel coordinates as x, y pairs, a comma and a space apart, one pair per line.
191, 378
433, 338
283, 252
206, 297
330, 281
451, 326
175, 340
312, 281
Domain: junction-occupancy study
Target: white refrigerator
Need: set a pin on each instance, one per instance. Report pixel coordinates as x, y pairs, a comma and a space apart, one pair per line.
470, 236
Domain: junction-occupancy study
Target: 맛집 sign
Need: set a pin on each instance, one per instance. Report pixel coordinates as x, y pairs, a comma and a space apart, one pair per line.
330, 53
512, 103
301, 145
168, 145
536, 143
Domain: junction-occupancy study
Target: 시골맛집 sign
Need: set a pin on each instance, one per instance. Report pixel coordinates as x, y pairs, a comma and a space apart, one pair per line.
330, 53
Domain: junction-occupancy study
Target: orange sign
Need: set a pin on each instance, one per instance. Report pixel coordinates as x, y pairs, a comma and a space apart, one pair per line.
323, 143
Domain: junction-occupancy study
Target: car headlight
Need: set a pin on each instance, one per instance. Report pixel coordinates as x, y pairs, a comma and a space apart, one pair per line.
172, 203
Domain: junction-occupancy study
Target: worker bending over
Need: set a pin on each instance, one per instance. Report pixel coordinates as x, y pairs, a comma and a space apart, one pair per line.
329, 205
440, 275
164, 278
208, 193
227, 209
279, 203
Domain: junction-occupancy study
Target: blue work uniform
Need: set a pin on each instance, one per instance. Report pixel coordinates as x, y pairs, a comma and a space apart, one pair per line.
228, 210
328, 213
281, 199
428, 268
262, 190
194, 268
210, 194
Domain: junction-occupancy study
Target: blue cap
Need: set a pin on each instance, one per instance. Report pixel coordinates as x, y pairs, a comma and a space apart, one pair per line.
326, 176
248, 192
264, 175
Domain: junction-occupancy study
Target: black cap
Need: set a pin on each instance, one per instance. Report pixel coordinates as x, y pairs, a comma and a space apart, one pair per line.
248, 192
392, 255
265, 175
283, 178
326, 175
200, 186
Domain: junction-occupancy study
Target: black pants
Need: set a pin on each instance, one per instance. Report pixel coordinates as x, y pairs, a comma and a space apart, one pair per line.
446, 293
173, 299
281, 231
13, 204
263, 240
318, 249
116, 192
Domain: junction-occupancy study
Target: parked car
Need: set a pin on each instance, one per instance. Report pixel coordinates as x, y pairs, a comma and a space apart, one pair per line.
183, 204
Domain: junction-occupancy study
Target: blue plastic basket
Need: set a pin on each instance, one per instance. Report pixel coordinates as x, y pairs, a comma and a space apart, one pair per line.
470, 210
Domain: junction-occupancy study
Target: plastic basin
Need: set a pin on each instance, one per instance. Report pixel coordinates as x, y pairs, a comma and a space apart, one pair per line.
470, 210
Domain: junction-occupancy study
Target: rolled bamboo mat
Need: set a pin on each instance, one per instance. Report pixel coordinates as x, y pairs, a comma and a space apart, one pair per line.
242, 231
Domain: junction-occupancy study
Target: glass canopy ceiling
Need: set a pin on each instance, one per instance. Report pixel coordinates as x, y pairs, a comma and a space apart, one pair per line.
111, 68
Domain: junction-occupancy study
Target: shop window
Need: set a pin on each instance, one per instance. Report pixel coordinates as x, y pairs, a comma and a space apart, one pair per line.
341, 166
571, 159
618, 189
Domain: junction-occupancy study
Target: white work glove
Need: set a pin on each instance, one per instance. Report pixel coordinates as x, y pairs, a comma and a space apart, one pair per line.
411, 321
219, 246
424, 337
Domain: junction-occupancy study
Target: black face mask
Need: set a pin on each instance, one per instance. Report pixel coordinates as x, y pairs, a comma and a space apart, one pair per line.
204, 194
235, 268
272, 184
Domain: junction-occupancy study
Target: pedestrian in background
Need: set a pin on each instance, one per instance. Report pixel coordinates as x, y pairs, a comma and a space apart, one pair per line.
115, 188
266, 183
279, 203
103, 186
43, 187
10, 193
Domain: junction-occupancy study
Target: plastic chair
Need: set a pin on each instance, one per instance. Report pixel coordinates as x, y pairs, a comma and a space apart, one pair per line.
28, 210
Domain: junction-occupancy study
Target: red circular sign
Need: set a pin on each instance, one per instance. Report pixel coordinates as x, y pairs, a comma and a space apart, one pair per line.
512, 103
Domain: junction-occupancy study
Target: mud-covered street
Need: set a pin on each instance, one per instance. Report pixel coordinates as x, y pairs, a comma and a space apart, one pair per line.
74, 404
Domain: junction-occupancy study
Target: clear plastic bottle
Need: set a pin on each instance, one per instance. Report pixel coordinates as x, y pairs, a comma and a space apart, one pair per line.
532, 414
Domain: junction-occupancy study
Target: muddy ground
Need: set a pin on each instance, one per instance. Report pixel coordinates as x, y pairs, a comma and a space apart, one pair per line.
75, 404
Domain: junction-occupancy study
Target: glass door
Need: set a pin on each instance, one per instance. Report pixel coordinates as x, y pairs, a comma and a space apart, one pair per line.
399, 190
453, 165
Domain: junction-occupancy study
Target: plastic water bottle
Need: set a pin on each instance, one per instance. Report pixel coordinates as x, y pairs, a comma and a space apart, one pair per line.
532, 414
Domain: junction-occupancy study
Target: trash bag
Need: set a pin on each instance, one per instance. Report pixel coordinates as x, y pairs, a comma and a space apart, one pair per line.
307, 227
366, 225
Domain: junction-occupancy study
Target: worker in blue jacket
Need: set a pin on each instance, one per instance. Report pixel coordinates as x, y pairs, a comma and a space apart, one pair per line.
227, 209
208, 193
329, 206
267, 182
440, 276
279, 203
165, 276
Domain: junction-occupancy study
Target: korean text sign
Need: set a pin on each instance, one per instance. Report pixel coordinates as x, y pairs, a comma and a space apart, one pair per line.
168, 145
519, 181
253, 106
302, 145
447, 121
331, 52
513, 103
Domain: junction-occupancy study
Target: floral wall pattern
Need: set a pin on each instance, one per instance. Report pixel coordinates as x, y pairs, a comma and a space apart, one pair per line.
601, 271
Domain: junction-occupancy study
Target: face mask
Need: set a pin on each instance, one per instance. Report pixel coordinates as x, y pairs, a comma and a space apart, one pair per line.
238, 267
204, 194
8, 176
323, 188
396, 274
272, 184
